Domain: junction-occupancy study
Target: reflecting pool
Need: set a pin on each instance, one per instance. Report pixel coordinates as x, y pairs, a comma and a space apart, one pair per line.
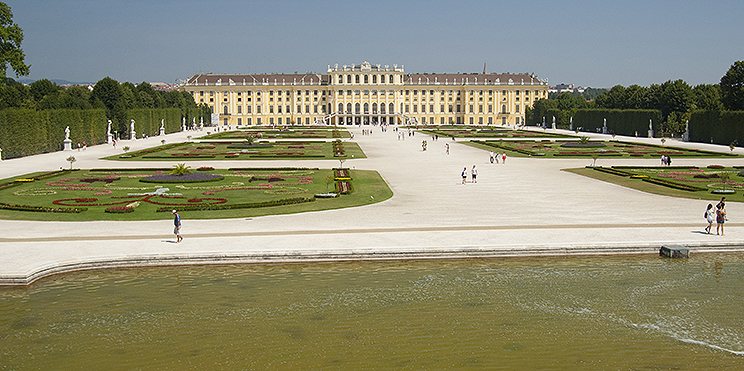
619, 312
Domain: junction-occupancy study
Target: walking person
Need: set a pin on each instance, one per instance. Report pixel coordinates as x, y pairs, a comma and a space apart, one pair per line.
474, 174
446, 148
177, 226
710, 217
503, 158
490, 156
720, 217
464, 174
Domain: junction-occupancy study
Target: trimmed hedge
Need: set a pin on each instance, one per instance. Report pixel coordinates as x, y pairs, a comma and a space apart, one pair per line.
719, 127
25, 132
621, 122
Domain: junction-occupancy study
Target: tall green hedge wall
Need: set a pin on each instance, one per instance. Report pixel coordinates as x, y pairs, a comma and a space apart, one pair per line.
25, 132
720, 127
621, 122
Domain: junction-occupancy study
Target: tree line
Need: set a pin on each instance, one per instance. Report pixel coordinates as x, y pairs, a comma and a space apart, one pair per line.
107, 94
675, 100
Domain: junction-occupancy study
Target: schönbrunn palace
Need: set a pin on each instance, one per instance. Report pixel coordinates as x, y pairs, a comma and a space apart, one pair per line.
366, 94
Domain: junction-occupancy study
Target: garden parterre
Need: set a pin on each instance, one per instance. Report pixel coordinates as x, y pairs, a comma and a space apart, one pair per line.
576, 148
286, 133
244, 150
710, 182
485, 132
139, 194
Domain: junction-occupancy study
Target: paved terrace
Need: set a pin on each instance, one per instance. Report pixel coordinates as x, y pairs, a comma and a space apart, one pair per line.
527, 206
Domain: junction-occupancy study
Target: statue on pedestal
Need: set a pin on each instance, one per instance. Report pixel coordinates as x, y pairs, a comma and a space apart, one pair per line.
650, 128
162, 126
67, 142
109, 137
132, 133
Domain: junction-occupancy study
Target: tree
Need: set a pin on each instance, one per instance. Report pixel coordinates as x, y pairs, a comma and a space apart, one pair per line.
75, 97
11, 36
676, 96
732, 87
108, 91
707, 97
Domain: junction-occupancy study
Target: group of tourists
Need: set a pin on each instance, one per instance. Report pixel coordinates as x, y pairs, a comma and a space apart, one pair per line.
666, 160
495, 157
473, 175
718, 215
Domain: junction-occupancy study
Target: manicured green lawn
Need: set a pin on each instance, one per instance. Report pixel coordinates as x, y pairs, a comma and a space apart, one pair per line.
601, 149
687, 182
288, 133
98, 190
242, 150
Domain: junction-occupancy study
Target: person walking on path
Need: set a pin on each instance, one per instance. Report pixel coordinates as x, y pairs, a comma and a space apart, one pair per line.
475, 174
177, 226
720, 217
446, 148
503, 158
490, 156
710, 217
464, 174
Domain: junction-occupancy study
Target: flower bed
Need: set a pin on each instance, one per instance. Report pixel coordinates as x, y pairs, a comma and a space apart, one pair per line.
119, 209
289, 201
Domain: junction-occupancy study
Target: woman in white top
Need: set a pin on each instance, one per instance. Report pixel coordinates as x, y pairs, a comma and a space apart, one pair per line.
710, 217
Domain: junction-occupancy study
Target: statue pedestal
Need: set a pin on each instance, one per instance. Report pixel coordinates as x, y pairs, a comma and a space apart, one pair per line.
554, 126
110, 139
650, 133
133, 135
68, 145
162, 131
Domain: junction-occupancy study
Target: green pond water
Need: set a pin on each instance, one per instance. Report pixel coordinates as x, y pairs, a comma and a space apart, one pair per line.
593, 313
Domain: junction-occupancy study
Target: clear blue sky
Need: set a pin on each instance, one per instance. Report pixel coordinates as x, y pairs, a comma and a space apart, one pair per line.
588, 43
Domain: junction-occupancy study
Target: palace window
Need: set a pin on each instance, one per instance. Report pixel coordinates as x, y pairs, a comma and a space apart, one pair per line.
248, 109
392, 111
382, 108
340, 79
348, 108
340, 107
357, 107
366, 79
258, 110
366, 107
348, 79
356, 79
240, 109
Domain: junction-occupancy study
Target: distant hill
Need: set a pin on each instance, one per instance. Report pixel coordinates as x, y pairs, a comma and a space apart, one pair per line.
56, 81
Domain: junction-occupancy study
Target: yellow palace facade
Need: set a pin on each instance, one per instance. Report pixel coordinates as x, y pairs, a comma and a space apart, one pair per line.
366, 94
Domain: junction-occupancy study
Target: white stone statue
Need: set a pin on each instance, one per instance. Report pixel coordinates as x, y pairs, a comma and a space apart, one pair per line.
132, 133
162, 124
109, 137
67, 133
108, 130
